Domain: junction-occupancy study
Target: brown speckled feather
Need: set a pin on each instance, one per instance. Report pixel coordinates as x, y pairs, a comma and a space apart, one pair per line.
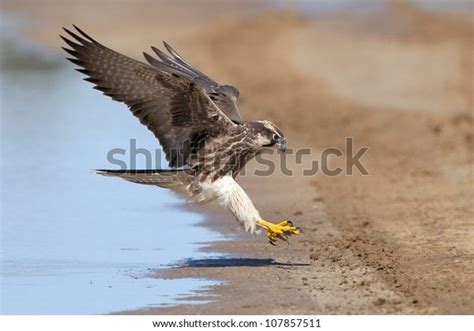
171, 98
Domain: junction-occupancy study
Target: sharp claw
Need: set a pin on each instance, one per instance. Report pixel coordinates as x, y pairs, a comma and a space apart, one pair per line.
282, 237
282, 230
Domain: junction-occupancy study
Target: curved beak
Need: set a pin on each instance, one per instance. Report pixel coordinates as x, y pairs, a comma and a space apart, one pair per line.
282, 145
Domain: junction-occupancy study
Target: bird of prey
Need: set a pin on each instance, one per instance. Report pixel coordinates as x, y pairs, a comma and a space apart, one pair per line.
195, 119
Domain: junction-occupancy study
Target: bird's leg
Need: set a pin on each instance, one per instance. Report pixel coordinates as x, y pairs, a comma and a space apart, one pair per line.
281, 230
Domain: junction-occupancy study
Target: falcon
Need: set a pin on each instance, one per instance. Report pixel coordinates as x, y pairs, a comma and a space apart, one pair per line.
196, 121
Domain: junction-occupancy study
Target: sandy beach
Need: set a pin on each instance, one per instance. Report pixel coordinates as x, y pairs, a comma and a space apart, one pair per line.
397, 81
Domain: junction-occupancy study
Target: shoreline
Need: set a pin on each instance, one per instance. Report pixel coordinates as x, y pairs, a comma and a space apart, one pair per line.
351, 258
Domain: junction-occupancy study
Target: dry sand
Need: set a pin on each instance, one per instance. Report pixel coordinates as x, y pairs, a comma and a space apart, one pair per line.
400, 83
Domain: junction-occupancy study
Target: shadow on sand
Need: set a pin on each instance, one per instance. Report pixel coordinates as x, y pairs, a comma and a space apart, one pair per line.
235, 262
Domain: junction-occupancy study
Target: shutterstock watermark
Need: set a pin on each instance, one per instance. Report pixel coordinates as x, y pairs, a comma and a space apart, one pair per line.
330, 161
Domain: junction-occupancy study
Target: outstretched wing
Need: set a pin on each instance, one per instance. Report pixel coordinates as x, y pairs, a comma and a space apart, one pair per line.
224, 96
176, 109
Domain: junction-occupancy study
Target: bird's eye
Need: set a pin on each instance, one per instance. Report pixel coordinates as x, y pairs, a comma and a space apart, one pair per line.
275, 136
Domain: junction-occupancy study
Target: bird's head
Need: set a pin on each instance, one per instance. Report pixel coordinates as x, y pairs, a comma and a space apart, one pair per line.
268, 135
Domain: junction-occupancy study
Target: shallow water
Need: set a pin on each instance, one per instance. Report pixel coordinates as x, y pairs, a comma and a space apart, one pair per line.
324, 7
73, 242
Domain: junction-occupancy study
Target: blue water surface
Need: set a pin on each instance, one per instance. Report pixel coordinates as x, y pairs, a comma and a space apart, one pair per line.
73, 242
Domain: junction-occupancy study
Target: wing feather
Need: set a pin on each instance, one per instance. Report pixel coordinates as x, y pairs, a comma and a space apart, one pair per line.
224, 96
170, 105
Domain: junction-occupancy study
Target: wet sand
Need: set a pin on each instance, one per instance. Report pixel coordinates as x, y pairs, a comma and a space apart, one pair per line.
399, 82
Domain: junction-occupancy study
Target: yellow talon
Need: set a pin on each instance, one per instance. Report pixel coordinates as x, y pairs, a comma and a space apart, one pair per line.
281, 230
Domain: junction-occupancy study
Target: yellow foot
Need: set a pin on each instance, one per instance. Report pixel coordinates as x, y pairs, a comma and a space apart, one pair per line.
281, 230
